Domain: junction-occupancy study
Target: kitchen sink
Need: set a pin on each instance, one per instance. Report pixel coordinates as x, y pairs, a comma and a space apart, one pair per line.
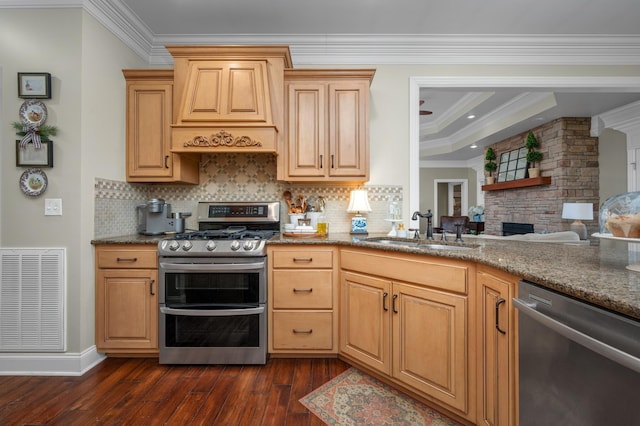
445, 247
399, 242
420, 244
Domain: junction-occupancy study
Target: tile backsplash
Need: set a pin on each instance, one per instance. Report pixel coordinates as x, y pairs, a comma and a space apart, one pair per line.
232, 177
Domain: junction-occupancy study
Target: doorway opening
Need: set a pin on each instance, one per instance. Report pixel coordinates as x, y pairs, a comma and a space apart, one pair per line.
450, 198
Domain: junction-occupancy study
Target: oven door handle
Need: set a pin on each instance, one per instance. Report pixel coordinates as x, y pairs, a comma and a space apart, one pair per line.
210, 267
212, 313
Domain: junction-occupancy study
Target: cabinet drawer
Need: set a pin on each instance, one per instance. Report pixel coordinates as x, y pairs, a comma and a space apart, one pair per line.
302, 330
302, 289
118, 258
304, 258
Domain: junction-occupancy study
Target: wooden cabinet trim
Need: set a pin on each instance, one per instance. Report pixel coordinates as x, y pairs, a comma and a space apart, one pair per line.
434, 272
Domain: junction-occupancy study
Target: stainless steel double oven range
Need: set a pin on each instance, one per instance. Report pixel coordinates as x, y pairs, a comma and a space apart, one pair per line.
213, 286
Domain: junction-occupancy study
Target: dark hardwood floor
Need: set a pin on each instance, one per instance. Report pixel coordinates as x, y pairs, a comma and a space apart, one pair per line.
139, 391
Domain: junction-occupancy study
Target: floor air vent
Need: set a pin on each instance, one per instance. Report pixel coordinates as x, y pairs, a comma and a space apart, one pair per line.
32, 288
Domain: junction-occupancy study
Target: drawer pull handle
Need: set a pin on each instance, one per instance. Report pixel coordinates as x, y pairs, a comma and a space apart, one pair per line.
126, 259
320, 160
151, 283
498, 303
384, 301
309, 331
303, 259
302, 290
393, 300
166, 161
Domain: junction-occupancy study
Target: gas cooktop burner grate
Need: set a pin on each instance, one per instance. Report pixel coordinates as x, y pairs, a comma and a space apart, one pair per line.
233, 233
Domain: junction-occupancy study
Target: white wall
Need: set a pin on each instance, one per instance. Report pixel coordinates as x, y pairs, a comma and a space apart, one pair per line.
612, 148
87, 106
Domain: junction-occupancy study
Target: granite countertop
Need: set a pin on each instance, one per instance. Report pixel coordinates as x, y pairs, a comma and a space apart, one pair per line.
594, 273
130, 239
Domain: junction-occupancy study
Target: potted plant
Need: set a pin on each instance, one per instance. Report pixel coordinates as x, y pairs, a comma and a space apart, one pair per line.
490, 166
533, 156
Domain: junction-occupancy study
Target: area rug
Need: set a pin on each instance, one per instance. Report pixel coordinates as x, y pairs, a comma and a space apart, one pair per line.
355, 398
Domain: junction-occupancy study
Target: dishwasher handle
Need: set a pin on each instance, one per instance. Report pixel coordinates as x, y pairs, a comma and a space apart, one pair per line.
607, 351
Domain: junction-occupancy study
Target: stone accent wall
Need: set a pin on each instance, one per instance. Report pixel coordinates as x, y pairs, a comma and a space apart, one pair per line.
570, 157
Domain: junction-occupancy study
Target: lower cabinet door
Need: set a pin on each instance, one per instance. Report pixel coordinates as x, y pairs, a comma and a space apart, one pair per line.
365, 320
497, 368
430, 342
126, 309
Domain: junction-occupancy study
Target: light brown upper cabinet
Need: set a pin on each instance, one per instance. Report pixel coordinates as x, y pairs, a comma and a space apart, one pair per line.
327, 128
149, 115
228, 98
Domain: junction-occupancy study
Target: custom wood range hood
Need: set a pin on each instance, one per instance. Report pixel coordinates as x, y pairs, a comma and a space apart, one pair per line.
228, 98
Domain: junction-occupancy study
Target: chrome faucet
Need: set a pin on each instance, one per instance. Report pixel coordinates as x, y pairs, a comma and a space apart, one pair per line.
429, 216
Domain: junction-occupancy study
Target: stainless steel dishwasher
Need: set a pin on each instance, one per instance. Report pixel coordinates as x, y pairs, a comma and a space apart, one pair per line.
578, 364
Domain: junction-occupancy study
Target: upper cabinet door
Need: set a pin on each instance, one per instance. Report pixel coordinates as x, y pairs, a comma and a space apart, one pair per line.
149, 116
148, 131
225, 91
348, 129
306, 129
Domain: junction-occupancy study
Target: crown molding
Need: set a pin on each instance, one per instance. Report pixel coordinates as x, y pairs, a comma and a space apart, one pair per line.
625, 119
429, 49
361, 49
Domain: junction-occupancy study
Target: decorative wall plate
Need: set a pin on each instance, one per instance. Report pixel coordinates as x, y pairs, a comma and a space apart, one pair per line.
33, 112
33, 182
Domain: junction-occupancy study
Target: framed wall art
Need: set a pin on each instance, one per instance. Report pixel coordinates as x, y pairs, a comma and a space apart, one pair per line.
34, 85
29, 156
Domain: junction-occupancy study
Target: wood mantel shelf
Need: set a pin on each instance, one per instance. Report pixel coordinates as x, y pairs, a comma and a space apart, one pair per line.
519, 183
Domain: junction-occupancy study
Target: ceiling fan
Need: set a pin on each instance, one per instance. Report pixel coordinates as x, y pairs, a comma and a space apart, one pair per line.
424, 112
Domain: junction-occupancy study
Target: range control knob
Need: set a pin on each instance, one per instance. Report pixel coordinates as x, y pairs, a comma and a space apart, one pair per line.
187, 246
235, 245
174, 245
211, 245
249, 245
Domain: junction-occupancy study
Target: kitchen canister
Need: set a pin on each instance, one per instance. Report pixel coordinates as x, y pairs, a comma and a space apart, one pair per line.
293, 218
313, 216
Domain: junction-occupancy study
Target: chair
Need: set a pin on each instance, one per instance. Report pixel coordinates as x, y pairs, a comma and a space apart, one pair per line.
448, 224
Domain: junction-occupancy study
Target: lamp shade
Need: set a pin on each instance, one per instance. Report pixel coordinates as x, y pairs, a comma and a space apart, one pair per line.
359, 201
577, 211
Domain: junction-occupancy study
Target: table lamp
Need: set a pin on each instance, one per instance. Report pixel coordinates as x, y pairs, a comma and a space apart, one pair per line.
578, 212
359, 202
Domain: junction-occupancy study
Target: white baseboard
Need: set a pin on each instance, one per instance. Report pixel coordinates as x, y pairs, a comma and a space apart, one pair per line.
49, 364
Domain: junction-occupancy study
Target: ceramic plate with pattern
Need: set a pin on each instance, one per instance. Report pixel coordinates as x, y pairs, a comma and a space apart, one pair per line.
33, 112
33, 182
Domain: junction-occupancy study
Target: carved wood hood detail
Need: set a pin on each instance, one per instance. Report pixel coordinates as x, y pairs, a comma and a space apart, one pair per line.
239, 88
222, 138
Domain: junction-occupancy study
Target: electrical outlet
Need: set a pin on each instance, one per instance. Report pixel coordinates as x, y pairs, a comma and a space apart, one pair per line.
53, 207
